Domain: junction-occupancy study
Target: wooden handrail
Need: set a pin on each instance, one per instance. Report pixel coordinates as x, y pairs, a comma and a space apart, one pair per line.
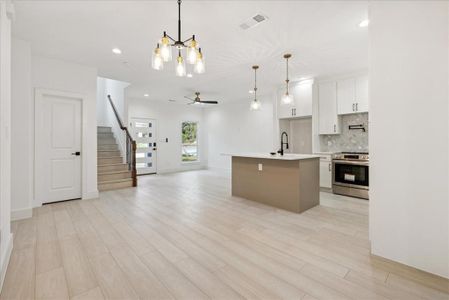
131, 145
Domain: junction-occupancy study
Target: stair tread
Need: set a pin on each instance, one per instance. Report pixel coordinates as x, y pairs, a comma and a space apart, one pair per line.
107, 157
116, 181
113, 172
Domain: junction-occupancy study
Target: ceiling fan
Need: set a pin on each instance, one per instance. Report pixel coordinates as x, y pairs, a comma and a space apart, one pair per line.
197, 99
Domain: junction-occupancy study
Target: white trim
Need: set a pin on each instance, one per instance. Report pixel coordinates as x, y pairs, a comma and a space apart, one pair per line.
5, 259
38, 96
90, 195
177, 170
23, 213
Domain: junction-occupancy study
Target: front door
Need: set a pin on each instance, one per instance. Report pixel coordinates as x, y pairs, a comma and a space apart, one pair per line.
58, 147
143, 132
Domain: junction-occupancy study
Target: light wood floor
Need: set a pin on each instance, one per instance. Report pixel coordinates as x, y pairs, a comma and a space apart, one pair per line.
183, 236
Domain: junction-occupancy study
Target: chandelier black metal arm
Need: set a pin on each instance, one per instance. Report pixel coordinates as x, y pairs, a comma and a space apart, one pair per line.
179, 43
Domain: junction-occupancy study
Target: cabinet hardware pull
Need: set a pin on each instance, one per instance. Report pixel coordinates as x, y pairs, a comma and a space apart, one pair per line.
335, 128
330, 167
356, 107
353, 106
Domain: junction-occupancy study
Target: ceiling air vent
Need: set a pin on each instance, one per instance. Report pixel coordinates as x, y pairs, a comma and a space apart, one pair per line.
253, 21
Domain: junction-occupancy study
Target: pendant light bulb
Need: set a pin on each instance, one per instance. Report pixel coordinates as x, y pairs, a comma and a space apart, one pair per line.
180, 66
166, 52
287, 98
192, 53
157, 62
200, 67
255, 105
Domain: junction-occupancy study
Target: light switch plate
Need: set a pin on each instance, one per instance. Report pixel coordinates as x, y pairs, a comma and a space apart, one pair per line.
260, 167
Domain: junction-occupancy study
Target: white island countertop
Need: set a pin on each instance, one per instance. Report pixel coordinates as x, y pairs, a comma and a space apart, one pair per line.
286, 156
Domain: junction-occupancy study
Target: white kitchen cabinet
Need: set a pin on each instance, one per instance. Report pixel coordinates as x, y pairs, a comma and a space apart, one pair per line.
325, 172
352, 95
302, 106
329, 121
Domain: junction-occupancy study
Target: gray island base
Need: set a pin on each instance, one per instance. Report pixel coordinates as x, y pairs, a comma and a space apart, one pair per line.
290, 182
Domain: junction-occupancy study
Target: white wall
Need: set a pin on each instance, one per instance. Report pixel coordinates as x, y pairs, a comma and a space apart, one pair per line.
105, 114
409, 196
21, 131
235, 128
169, 118
31, 72
6, 14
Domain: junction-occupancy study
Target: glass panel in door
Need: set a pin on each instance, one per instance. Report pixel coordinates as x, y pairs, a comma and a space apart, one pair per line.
144, 133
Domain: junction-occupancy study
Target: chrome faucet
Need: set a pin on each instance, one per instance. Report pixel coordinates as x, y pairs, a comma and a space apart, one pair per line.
281, 152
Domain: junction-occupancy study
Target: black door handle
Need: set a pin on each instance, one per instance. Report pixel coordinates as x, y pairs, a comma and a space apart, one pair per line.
77, 153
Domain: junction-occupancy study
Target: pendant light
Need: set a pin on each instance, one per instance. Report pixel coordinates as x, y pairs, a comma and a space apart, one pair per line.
255, 104
287, 98
163, 52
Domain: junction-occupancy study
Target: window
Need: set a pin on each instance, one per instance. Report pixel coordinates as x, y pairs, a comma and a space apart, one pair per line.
189, 141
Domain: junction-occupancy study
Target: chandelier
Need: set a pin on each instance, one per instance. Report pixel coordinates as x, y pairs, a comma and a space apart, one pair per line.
163, 52
287, 98
255, 104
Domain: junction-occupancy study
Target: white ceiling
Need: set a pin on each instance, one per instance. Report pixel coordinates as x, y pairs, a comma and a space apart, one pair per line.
323, 36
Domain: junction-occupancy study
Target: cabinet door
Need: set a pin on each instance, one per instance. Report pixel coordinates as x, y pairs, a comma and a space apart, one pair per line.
303, 98
325, 174
361, 93
327, 105
346, 96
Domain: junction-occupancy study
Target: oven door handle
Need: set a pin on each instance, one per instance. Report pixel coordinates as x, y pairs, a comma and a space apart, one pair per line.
350, 162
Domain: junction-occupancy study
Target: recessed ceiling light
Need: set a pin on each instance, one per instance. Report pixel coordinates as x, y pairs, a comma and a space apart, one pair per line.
146, 95
251, 91
364, 23
189, 75
116, 51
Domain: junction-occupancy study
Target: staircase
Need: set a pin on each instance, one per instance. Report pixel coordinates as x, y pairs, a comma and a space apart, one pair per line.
112, 172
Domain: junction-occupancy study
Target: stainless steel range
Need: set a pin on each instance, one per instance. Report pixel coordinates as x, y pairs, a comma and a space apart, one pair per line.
351, 174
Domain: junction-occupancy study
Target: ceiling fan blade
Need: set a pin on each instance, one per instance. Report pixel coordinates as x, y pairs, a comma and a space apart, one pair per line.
189, 98
191, 103
208, 102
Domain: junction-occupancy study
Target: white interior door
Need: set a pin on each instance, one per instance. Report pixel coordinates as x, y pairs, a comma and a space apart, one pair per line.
144, 133
58, 147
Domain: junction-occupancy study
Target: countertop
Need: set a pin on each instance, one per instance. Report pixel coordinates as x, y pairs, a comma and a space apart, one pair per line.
287, 156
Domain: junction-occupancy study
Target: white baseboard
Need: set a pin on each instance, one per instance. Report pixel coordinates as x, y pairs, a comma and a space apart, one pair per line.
185, 168
20, 214
90, 195
5, 259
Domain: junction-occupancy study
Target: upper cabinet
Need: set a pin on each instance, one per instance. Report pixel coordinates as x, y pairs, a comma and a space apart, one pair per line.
302, 106
329, 121
352, 95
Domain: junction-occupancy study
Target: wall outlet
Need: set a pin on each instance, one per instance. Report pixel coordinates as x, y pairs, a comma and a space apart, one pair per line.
260, 167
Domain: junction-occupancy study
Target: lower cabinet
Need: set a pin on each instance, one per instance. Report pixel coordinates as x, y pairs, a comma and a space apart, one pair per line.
325, 172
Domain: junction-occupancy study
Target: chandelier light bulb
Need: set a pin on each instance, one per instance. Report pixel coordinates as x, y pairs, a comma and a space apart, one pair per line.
200, 67
180, 66
166, 48
157, 62
192, 53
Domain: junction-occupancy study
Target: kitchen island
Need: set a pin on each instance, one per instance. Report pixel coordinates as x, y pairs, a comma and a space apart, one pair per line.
289, 182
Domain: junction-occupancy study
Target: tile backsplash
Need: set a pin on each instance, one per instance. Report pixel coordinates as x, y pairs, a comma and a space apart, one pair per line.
348, 140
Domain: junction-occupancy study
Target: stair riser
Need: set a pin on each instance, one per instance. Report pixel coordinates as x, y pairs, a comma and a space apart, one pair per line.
114, 186
108, 154
103, 129
123, 167
107, 147
103, 135
110, 160
106, 177
106, 141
